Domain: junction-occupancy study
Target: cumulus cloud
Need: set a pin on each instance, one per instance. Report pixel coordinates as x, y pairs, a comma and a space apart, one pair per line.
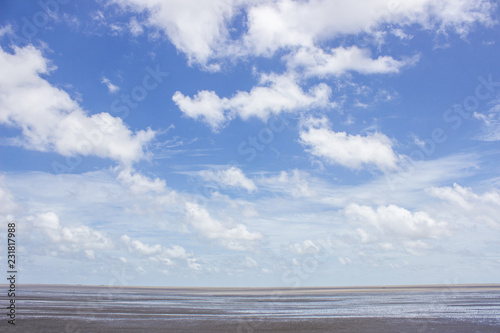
197, 28
163, 253
176, 252
140, 184
71, 238
298, 29
352, 151
140, 247
316, 62
230, 177
201, 30
51, 121
206, 106
274, 94
274, 25
464, 196
469, 205
394, 222
236, 237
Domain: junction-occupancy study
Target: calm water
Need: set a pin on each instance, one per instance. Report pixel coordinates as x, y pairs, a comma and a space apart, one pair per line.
64, 304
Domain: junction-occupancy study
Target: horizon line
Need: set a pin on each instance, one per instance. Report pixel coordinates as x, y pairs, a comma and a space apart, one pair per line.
353, 287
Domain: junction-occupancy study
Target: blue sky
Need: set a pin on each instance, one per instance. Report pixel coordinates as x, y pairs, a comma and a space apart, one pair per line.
251, 142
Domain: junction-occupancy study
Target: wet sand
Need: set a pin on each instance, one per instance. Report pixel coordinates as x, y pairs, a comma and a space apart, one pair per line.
343, 325
131, 309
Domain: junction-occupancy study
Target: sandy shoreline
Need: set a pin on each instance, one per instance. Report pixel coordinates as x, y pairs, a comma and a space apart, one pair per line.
338, 325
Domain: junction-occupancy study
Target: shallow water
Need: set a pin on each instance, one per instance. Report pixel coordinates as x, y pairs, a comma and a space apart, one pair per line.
86, 309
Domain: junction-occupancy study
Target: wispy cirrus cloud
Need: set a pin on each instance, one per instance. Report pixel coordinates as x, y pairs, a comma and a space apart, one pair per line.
491, 122
111, 87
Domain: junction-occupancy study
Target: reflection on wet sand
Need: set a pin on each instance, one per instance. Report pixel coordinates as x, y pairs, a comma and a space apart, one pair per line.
457, 308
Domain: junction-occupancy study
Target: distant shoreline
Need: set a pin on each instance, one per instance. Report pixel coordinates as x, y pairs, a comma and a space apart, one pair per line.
275, 290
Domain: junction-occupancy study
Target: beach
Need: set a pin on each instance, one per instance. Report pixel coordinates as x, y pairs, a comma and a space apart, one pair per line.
64, 308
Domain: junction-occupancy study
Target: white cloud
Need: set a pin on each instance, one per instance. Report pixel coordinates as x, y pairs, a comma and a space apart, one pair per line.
8, 204
6, 30
274, 94
176, 252
71, 238
468, 205
205, 105
416, 174
249, 211
90, 254
491, 122
316, 62
401, 34
387, 246
294, 182
352, 151
111, 87
394, 222
250, 263
140, 247
345, 260
194, 265
196, 28
417, 248
306, 247
140, 184
201, 29
274, 25
464, 196
232, 177
71, 21
235, 237
51, 121
135, 27
156, 252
